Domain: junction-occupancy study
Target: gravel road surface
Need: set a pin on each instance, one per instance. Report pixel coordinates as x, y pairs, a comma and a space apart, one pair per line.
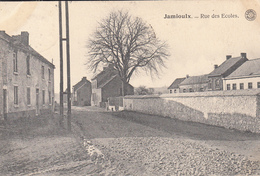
140, 144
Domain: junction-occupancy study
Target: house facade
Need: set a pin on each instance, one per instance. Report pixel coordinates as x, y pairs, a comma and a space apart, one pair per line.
216, 77
194, 84
82, 93
247, 76
26, 78
174, 87
107, 84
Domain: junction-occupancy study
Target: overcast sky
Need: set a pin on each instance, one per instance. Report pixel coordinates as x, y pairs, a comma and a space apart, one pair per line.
195, 44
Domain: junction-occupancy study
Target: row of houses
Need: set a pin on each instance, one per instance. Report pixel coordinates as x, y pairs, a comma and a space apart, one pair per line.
234, 73
26, 78
27, 81
105, 84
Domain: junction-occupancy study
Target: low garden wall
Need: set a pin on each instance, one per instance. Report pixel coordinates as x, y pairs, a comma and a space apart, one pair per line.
238, 109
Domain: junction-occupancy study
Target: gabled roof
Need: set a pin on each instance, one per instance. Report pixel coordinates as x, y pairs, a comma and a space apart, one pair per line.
27, 48
104, 76
107, 81
248, 69
195, 80
81, 83
227, 66
176, 82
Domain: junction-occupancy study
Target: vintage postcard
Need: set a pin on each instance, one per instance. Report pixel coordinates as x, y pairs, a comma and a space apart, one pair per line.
130, 87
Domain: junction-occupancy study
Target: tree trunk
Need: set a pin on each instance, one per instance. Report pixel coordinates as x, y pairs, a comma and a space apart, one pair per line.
124, 87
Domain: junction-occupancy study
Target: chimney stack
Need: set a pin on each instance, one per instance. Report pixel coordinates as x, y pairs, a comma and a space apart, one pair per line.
215, 66
187, 76
84, 78
243, 55
25, 38
228, 56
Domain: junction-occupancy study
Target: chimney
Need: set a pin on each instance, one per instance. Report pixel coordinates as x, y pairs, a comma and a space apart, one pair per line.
187, 76
215, 66
228, 56
84, 78
25, 38
243, 55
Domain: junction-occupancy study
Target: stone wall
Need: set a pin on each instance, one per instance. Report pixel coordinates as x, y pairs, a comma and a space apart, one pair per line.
230, 109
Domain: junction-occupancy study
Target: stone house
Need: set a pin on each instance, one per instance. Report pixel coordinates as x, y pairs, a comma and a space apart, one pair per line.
81, 93
194, 84
174, 87
247, 76
26, 79
219, 73
107, 84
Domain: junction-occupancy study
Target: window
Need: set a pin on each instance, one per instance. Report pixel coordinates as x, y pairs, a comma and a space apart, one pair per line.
190, 90
15, 62
234, 86
184, 90
250, 85
49, 97
170, 91
217, 83
28, 96
210, 84
228, 86
16, 95
42, 72
28, 65
43, 96
175, 91
49, 75
201, 89
75, 97
258, 84
241, 85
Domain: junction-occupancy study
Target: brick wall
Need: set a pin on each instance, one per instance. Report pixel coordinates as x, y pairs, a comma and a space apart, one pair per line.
229, 109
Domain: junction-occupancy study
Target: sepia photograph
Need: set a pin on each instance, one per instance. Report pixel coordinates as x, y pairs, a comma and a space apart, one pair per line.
130, 88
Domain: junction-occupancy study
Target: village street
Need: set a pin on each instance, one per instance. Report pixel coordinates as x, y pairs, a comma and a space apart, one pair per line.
127, 143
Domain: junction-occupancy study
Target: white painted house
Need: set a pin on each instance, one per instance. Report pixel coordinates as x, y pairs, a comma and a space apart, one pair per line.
247, 76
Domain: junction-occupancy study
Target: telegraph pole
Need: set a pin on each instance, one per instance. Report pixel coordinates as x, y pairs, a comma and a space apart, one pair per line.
68, 65
61, 65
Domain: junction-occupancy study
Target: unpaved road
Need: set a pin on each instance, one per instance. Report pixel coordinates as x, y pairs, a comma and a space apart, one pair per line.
126, 143
139, 144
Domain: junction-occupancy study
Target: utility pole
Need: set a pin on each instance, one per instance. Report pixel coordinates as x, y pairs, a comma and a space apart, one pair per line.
68, 65
61, 65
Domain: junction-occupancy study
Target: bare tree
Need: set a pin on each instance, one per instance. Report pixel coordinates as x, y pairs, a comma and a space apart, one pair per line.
129, 44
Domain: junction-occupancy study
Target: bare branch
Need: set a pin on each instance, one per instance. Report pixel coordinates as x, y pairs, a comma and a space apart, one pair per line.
128, 43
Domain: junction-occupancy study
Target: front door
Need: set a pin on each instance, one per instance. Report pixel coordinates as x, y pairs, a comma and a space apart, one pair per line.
5, 104
37, 101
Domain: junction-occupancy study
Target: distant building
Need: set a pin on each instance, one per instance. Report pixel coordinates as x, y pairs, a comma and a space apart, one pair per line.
247, 76
225, 69
107, 84
194, 84
174, 87
82, 93
26, 78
